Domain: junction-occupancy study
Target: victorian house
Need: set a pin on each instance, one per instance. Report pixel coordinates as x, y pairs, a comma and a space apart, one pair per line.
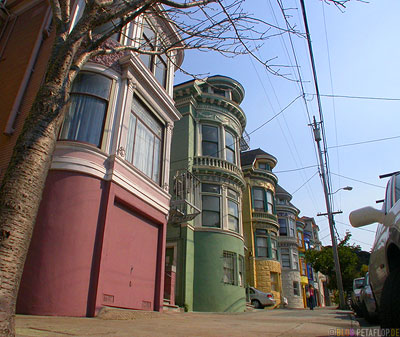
205, 242
288, 248
99, 238
260, 223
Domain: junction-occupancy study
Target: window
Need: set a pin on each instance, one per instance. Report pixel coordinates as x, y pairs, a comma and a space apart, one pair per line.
233, 210
107, 27
229, 267
299, 239
209, 140
292, 226
282, 226
270, 202
296, 288
211, 205
88, 105
258, 199
274, 246
264, 166
219, 92
295, 261
230, 153
303, 268
285, 258
145, 135
78, 11
261, 243
241, 271
274, 281
156, 63
397, 187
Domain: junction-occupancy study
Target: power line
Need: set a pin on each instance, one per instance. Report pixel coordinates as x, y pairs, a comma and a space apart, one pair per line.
360, 181
362, 229
358, 97
297, 169
364, 142
304, 183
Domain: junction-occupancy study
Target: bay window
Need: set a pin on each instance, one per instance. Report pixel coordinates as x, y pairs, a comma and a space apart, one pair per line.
145, 136
211, 205
241, 271
274, 246
84, 120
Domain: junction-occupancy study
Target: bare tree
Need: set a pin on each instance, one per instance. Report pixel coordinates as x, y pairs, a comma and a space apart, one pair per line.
216, 25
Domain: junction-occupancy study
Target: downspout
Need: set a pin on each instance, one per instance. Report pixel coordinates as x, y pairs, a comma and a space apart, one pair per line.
43, 34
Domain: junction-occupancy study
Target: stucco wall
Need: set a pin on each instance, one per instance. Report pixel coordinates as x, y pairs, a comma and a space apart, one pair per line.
210, 292
264, 268
58, 267
288, 276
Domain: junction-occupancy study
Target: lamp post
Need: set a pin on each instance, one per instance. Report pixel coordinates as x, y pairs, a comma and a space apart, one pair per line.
346, 188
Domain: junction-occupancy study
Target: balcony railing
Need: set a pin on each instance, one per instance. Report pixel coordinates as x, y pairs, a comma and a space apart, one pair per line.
264, 215
218, 164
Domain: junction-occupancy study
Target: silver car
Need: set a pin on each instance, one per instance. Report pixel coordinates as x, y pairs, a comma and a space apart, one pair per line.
358, 284
368, 304
384, 264
259, 299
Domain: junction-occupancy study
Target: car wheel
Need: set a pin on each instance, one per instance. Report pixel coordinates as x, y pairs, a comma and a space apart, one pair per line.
389, 309
256, 304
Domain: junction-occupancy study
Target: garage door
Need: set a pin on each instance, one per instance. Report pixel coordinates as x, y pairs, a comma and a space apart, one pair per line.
129, 260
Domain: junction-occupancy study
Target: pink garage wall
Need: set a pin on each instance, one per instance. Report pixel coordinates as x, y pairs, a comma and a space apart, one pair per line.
131, 267
58, 268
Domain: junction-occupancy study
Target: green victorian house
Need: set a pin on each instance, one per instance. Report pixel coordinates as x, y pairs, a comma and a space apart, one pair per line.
205, 244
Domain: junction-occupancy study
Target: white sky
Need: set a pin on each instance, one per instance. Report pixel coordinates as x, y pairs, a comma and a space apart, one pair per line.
356, 54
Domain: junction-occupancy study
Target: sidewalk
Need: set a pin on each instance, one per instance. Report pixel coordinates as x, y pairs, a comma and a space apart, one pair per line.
279, 322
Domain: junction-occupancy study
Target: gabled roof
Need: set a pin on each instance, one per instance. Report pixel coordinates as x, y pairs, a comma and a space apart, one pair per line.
249, 157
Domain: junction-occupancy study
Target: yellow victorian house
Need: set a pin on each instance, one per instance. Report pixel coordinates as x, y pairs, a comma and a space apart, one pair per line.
260, 223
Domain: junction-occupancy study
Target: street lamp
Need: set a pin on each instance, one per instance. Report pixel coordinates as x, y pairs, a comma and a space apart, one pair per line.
346, 188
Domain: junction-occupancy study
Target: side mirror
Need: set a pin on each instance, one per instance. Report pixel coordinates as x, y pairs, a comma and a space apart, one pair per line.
366, 216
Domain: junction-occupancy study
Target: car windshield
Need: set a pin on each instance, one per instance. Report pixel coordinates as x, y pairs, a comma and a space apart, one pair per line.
358, 283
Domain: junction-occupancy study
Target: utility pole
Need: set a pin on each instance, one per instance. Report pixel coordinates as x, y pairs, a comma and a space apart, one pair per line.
317, 137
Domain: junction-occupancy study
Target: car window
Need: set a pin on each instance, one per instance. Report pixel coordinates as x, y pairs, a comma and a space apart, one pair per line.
388, 196
397, 187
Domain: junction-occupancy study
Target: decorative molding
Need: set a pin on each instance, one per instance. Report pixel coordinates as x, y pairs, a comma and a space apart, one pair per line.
121, 152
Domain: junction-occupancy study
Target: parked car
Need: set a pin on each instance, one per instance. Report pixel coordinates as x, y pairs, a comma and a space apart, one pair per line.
355, 295
260, 299
367, 301
384, 265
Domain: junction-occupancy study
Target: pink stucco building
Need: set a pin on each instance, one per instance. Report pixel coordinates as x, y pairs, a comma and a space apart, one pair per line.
99, 239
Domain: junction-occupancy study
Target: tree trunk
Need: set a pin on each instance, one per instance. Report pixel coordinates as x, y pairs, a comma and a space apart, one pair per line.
23, 184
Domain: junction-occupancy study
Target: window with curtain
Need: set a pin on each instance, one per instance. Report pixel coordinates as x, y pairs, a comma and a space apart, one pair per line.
144, 141
292, 226
282, 226
84, 120
230, 153
229, 259
211, 212
210, 141
233, 210
261, 243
